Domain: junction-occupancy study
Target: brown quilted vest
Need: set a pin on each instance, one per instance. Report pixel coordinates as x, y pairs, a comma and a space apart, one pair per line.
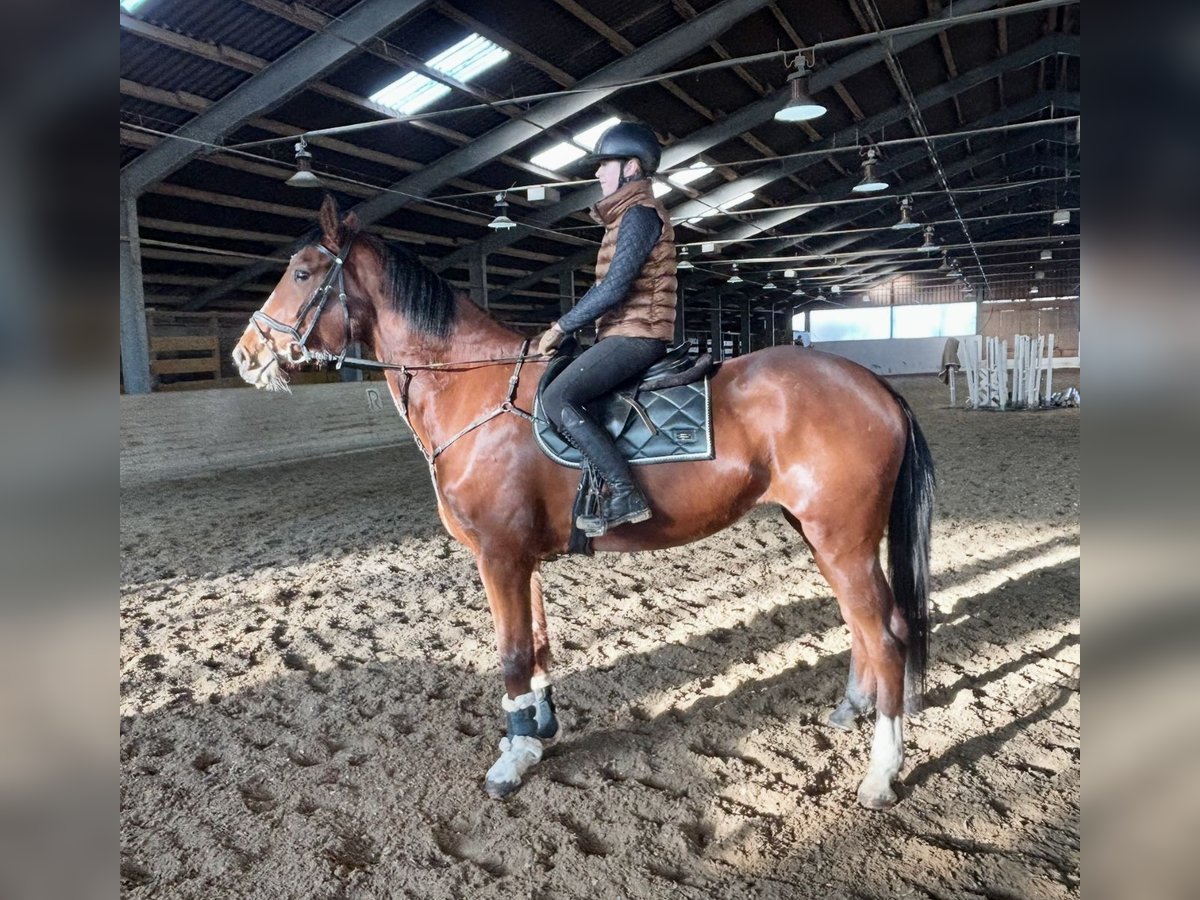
649, 309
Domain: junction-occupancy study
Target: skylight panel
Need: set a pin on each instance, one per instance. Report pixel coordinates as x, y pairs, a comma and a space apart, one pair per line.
568, 151
131, 5
660, 189
721, 207
691, 173
467, 59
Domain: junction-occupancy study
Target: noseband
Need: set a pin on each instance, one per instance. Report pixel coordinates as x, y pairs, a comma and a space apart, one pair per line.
317, 298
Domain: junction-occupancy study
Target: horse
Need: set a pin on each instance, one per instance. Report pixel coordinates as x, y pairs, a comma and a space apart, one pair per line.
829, 442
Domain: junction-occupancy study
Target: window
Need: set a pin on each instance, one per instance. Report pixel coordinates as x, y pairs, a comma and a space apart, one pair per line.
131, 5
933, 320
468, 58
851, 324
568, 151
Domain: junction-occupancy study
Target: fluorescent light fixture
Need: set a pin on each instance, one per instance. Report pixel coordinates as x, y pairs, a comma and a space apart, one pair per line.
581, 143
1061, 216
1045, 254
789, 273
696, 170
470, 57
660, 189
708, 247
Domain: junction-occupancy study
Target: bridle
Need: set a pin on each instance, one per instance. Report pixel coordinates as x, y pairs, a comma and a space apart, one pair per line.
318, 298
298, 351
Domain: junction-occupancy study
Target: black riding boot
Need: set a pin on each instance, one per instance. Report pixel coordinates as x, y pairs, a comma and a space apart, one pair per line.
624, 501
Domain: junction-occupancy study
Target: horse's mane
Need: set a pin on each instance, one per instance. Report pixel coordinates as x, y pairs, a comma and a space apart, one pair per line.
424, 298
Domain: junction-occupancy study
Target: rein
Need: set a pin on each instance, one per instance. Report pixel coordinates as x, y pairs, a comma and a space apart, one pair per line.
506, 405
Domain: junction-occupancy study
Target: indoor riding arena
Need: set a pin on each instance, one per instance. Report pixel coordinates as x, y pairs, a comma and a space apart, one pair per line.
317, 652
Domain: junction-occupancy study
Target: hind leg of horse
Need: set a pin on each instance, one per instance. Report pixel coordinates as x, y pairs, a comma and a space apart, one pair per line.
867, 606
859, 698
549, 730
507, 579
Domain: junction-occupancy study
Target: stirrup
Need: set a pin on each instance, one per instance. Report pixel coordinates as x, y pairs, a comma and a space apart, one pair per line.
598, 525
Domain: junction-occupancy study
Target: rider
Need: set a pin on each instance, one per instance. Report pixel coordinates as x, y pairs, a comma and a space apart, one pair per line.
633, 305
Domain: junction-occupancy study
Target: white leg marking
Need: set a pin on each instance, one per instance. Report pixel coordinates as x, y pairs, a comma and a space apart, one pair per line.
887, 758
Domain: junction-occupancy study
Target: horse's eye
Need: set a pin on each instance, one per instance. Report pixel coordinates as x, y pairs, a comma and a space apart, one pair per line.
301, 275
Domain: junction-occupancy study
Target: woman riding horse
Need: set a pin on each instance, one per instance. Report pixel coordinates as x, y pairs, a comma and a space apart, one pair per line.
634, 300
829, 442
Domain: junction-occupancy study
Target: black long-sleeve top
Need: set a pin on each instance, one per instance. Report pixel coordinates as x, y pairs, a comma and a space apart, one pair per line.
640, 229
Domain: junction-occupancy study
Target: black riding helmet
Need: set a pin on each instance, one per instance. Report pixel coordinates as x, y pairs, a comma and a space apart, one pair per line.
628, 140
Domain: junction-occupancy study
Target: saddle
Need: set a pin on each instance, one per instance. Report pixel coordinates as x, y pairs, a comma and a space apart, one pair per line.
662, 416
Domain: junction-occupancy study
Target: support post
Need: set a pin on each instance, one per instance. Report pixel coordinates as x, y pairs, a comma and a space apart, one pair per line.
135, 345
718, 343
479, 287
745, 341
566, 291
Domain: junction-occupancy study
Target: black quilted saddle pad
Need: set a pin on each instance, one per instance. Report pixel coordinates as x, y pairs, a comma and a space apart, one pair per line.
680, 425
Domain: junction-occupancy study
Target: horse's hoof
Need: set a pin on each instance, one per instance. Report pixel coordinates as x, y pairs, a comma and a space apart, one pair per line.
498, 790
844, 717
876, 797
549, 743
517, 756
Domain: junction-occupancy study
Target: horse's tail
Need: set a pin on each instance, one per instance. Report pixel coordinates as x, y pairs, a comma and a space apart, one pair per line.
909, 529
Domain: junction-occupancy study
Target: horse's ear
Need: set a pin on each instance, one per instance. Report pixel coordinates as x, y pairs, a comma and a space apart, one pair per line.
328, 220
351, 222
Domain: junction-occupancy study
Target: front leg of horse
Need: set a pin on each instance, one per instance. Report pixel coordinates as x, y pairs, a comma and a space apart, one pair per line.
549, 729
507, 582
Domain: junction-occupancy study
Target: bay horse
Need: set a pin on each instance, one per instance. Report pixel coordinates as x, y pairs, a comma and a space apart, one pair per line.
828, 441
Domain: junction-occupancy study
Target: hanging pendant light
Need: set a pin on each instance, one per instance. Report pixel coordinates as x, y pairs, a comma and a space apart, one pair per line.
799, 291
871, 181
684, 263
945, 266
304, 176
906, 221
770, 285
929, 246
502, 222
801, 107
735, 278
1061, 217
1045, 254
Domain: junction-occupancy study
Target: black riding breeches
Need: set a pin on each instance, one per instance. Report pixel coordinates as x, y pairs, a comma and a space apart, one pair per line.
602, 367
